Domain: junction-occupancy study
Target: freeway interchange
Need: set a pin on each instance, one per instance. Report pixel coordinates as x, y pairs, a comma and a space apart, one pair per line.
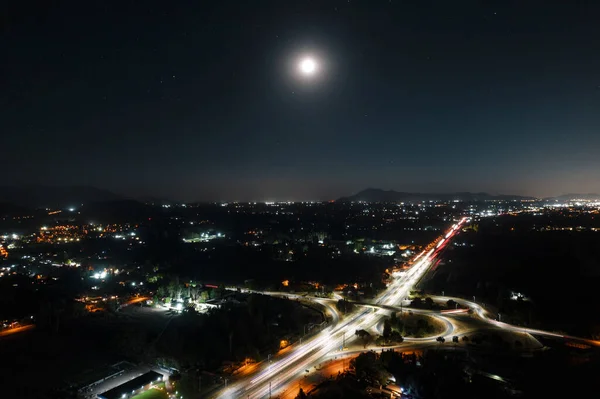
273, 376
270, 378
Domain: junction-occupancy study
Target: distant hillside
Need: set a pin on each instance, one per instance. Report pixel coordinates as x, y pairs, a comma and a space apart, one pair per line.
10, 209
571, 197
156, 201
378, 195
55, 196
115, 211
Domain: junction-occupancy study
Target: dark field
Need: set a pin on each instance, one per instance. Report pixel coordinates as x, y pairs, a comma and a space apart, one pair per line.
42, 360
557, 272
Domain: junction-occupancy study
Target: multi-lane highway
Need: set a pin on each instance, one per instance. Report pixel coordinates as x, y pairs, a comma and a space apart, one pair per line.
271, 377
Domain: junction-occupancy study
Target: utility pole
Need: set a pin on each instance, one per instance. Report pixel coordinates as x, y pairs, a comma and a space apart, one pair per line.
269, 389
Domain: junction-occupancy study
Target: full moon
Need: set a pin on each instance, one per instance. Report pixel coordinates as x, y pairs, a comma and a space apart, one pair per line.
308, 66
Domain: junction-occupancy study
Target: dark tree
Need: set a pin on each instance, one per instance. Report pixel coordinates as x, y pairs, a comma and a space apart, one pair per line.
396, 337
369, 365
344, 306
416, 303
387, 329
301, 394
364, 336
429, 302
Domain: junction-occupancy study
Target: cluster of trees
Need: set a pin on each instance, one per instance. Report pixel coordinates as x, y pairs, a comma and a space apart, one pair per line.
344, 306
392, 328
247, 329
419, 329
415, 326
368, 366
51, 304
344, 387
394, 323
422, 303
18, 297
175, 290
434, 375
364, 337
320, 291
428, 303
391, 336
318, 263
267, 265
449, 374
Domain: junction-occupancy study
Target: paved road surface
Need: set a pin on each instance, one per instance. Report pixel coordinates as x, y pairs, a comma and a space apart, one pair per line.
273, 377
16, 330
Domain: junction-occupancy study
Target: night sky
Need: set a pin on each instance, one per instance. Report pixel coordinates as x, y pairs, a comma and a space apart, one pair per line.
203, 100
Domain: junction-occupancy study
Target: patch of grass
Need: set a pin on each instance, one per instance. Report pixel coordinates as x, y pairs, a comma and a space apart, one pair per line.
153, 393
420, 325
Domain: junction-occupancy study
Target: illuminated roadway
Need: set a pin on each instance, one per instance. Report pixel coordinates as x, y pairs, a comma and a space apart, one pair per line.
274, 376
16, 330
489, 318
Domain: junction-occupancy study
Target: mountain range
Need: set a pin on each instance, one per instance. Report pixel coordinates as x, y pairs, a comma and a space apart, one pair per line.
55, 196
16, 198
573, 197
378, 195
